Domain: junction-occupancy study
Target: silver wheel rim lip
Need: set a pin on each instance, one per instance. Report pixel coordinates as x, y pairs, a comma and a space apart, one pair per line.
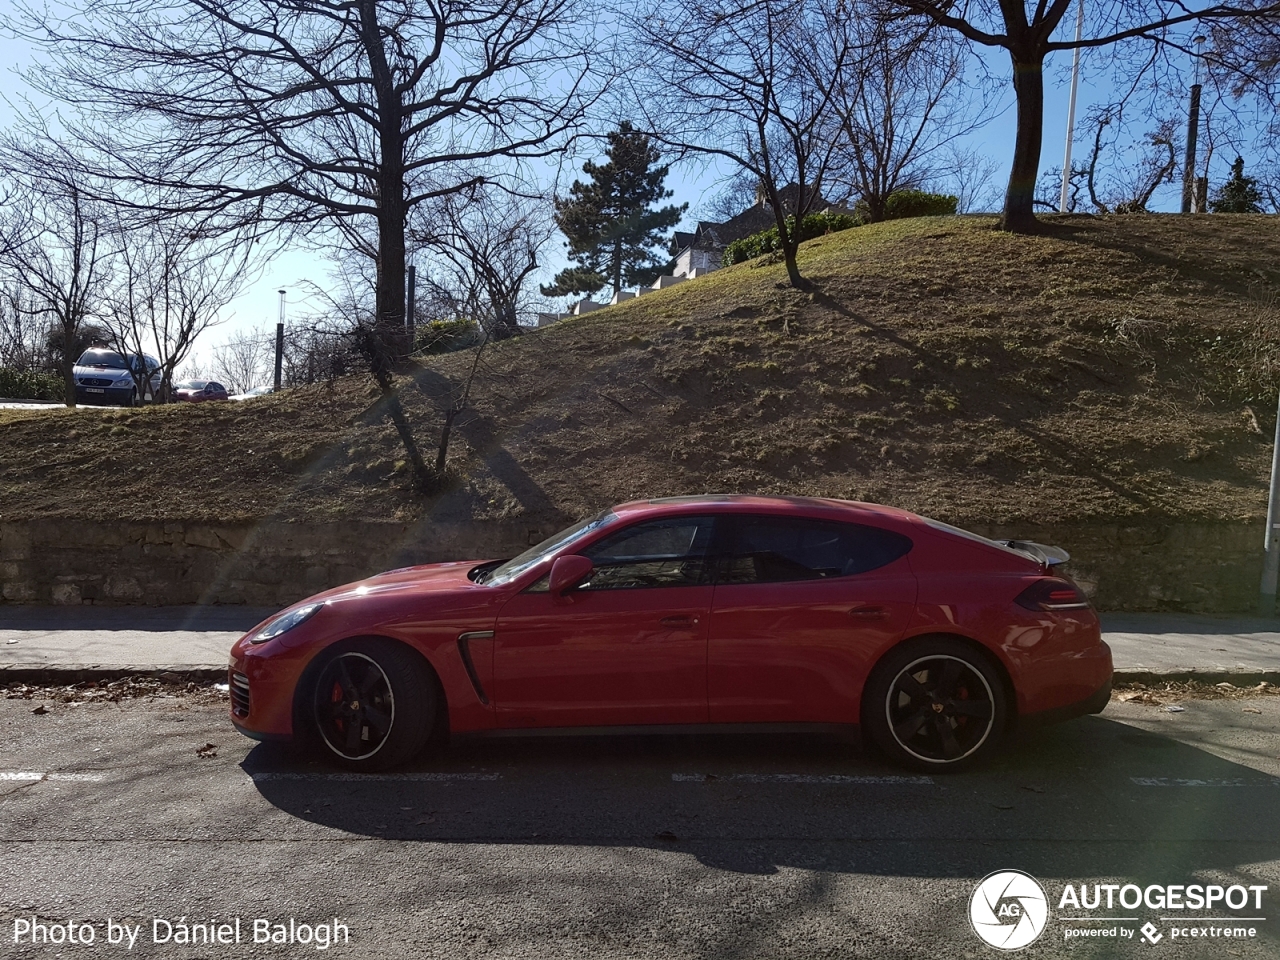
888, 707
324, 735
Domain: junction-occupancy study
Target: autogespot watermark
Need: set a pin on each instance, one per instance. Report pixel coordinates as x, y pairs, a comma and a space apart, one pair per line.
1010, 909
179, 931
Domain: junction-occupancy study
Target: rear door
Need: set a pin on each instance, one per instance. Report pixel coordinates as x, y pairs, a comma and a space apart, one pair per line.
631, 647
800, 608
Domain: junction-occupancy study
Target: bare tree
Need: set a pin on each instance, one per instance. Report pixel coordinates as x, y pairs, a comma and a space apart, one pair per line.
23, 345
751, 82
968, 174
1027, 33
900, 102
1118, 187
174, 278
484, 247
243, 360
340, 114
736, 194
58, 254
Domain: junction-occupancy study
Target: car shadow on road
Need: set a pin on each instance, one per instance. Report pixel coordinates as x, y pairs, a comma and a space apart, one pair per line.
1094, 797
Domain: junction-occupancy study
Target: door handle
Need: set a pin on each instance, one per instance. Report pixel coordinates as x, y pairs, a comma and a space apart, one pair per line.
679, 621
868, 613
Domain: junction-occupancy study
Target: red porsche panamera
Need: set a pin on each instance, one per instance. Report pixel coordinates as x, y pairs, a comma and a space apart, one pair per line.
690, 610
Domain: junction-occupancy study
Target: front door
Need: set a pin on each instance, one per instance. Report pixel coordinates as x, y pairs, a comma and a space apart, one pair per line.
631, 645
801, 606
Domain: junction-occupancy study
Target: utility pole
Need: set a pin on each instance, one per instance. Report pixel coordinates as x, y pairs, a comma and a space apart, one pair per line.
1271, 565
1189, 198
409, 313
280, 340
1071, 110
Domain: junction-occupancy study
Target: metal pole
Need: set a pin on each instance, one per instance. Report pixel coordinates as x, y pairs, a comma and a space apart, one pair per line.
280, 340
1193, 130
409, 312
1071, 110
1271, 566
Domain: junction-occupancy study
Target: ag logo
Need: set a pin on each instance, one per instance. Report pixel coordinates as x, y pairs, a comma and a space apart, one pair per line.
1008, 910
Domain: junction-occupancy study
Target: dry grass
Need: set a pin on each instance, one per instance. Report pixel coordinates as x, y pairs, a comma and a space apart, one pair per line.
1111, 369
1174, 691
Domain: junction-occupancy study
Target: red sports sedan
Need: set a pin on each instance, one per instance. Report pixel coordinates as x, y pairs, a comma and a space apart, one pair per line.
199, 391
690, 610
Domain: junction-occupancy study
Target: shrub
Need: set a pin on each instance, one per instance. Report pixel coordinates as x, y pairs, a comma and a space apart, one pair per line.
916, 203
31, 385
766, 241
445, 336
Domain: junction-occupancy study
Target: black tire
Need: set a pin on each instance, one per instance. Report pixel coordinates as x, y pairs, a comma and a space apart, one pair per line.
935, 704
133, 399
371, 704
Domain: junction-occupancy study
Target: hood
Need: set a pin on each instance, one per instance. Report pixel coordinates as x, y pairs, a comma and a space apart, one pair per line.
420, 581
115, 373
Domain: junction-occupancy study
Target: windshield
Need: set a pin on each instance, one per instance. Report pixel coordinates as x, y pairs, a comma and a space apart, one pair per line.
534, 555
103, 358
191, 385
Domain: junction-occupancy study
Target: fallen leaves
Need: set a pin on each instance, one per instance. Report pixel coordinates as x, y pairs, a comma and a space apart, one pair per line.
207, 751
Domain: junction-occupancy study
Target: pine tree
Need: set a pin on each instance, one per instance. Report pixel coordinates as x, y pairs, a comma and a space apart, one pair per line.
610, 222
1239, 194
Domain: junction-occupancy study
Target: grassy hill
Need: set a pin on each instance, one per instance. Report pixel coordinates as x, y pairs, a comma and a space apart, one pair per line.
1112, 369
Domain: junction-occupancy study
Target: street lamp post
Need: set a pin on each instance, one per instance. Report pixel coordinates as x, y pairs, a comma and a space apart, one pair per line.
280, 340
1071, 110
1189, 199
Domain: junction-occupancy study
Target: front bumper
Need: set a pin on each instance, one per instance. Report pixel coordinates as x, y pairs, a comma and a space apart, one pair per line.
110, 395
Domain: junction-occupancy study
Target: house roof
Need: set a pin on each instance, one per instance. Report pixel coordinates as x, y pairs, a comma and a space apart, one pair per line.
717, 236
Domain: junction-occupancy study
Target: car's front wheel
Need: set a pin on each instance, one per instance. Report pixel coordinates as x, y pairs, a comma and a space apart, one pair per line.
935, 704
372, 704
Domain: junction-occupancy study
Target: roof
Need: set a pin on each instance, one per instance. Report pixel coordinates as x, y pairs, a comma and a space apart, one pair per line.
717, 236
735, 503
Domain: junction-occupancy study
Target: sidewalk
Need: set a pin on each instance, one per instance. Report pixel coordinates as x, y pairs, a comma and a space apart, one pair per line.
85, 642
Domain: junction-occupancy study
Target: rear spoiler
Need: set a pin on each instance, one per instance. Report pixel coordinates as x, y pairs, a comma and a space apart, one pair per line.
1047, 556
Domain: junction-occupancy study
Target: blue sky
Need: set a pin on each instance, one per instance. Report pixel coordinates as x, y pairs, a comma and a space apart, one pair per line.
258, 305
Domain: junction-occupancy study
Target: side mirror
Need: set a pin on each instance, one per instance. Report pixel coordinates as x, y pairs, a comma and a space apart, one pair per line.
566, 573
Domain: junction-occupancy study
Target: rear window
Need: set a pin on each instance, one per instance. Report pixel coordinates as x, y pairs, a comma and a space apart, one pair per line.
976, 538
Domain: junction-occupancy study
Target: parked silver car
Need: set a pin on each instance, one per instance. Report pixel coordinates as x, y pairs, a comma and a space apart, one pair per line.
106, 376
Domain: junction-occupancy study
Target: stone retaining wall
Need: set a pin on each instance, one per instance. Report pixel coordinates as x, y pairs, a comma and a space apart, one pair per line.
1190, 567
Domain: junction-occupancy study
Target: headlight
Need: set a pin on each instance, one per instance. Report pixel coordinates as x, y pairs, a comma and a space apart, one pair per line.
285, 622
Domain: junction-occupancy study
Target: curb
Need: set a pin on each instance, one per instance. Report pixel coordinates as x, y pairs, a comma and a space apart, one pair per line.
55, 673
1241, 678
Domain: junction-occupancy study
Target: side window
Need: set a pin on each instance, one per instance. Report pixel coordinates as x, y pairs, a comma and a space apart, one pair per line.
775, 549
671, 552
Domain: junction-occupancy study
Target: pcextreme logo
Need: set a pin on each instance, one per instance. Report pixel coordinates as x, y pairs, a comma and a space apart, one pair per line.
1009, 910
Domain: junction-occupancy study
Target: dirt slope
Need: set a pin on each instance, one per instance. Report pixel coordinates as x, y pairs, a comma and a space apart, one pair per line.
1119, 368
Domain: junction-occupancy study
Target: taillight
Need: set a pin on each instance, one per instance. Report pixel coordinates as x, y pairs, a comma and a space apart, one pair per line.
1052, 594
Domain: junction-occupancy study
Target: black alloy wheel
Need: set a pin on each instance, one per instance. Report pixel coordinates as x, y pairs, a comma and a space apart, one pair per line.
936, 705
372, 704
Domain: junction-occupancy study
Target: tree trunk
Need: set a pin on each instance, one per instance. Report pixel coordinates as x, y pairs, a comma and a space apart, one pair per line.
68, 364
1019, 200
389, 320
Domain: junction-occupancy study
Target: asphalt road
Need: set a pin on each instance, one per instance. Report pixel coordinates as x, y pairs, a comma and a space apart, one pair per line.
711, 846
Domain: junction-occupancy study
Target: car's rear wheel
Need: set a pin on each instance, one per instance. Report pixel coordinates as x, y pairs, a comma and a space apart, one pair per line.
372, 704
935, 704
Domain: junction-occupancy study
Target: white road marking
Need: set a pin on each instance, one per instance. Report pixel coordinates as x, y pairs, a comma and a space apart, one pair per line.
1206, 782
37, 775
797, 778
372, 777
